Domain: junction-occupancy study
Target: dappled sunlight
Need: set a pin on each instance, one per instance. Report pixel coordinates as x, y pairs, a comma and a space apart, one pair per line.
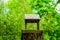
34, 11
5, 10
58, 8
5, 1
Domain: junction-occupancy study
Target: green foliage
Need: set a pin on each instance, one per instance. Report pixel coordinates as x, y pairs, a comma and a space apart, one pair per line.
12, 18
49, 18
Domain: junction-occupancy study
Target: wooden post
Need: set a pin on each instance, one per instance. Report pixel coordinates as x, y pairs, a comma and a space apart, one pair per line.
25, 25
37, 25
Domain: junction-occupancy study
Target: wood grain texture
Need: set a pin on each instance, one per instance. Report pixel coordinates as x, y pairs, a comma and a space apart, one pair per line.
32, 35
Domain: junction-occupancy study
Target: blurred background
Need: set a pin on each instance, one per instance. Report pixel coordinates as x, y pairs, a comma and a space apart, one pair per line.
12, 18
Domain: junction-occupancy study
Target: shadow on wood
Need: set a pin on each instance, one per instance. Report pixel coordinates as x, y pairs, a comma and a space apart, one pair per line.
32, 35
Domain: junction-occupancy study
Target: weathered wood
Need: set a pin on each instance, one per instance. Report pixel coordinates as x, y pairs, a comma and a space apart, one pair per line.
32, 31
32, 35
32, 16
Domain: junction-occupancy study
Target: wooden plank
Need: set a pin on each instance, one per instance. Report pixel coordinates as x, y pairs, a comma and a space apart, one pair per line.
32, 31
32, 16
31, 21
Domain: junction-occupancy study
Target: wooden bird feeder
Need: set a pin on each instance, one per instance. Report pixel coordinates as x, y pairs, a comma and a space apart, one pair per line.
32, 34
32, 18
